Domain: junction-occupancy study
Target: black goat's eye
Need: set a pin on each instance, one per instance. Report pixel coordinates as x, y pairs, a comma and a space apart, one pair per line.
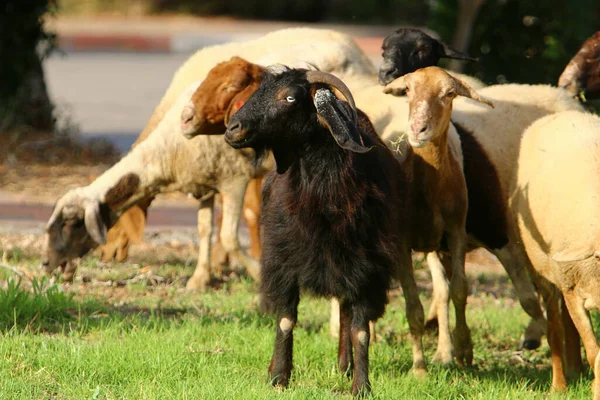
290, 99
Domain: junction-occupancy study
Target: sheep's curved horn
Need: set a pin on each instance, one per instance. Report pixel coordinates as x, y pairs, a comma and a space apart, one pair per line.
465, 90
334, 81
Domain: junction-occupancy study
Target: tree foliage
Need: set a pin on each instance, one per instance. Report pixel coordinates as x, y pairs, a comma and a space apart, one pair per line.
529, 41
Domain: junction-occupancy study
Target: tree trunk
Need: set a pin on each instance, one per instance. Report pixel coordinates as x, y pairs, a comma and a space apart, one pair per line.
33, 103
465, 19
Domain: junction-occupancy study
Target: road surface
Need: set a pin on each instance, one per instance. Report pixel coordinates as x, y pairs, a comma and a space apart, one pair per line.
111, 95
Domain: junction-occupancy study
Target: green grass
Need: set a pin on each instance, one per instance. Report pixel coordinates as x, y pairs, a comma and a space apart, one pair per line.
143, 341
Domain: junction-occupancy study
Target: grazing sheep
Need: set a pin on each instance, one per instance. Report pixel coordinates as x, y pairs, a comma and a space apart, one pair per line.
408, 49
581, 76
328, 50
164, 162
335, 215
555, 203
440, 195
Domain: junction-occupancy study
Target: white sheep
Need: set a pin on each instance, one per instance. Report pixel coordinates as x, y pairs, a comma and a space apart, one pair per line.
555, 202
439, 195
165, 162
326, 49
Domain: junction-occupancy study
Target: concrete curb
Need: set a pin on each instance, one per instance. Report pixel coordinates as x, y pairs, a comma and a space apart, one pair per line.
175, 43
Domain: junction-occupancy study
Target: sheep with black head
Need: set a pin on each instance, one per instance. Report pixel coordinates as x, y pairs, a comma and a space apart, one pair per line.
408, 49
335, 214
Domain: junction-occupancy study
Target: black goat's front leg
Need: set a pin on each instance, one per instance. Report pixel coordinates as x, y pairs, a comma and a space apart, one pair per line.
280, 368
360, 336
345, 359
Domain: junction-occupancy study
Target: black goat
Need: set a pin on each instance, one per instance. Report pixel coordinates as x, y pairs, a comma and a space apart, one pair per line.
408, 49
335, 215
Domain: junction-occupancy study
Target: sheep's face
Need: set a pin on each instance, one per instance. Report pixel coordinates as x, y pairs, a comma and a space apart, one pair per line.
407, 50
287, 113
75, 228
221, 90
430, 92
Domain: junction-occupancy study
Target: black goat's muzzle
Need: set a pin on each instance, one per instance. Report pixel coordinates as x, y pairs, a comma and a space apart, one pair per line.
388, 72
236, 135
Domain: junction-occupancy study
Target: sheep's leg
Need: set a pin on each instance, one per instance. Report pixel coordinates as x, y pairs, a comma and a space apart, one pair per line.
109, 249
334, 318
512, 259
122, 251
345, 358
572, 343
334, 322
440, 285
459, 290
359, 334
280, 368
252, 205
583, 323
431, 322
556, 335
233, 199
68, 271
414, 312
201, 276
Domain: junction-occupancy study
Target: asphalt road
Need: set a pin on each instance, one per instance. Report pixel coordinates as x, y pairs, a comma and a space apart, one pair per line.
111, 95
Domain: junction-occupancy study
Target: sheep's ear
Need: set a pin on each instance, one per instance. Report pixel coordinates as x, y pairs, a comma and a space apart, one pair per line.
445, 51
465, 90
336, 116
55, 218
573, 254
94, 224
397, 87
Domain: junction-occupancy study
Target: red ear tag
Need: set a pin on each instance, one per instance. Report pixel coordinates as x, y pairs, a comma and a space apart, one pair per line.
238, 104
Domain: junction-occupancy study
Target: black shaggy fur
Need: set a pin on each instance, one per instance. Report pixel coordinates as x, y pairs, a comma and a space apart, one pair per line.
408, 49
333, 221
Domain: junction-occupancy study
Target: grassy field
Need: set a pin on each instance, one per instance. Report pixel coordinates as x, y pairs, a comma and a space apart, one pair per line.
132, 332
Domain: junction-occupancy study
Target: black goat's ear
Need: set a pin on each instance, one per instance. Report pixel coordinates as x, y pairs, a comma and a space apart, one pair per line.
335, 115
443, 50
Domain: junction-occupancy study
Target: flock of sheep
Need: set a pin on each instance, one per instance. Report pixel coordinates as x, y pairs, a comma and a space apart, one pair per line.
511, 168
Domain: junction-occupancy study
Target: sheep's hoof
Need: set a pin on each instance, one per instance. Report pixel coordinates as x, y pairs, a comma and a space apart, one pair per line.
197, 283
280, 381
361, 390
530, 344
464, 353
443, 357
419, 371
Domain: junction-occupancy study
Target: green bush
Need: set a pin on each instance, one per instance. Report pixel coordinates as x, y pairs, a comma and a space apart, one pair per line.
528, 41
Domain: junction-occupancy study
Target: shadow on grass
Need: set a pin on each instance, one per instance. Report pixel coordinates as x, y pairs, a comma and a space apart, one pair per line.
46, 308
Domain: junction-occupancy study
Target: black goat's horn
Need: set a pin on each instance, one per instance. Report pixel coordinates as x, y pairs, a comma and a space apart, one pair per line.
334, 81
